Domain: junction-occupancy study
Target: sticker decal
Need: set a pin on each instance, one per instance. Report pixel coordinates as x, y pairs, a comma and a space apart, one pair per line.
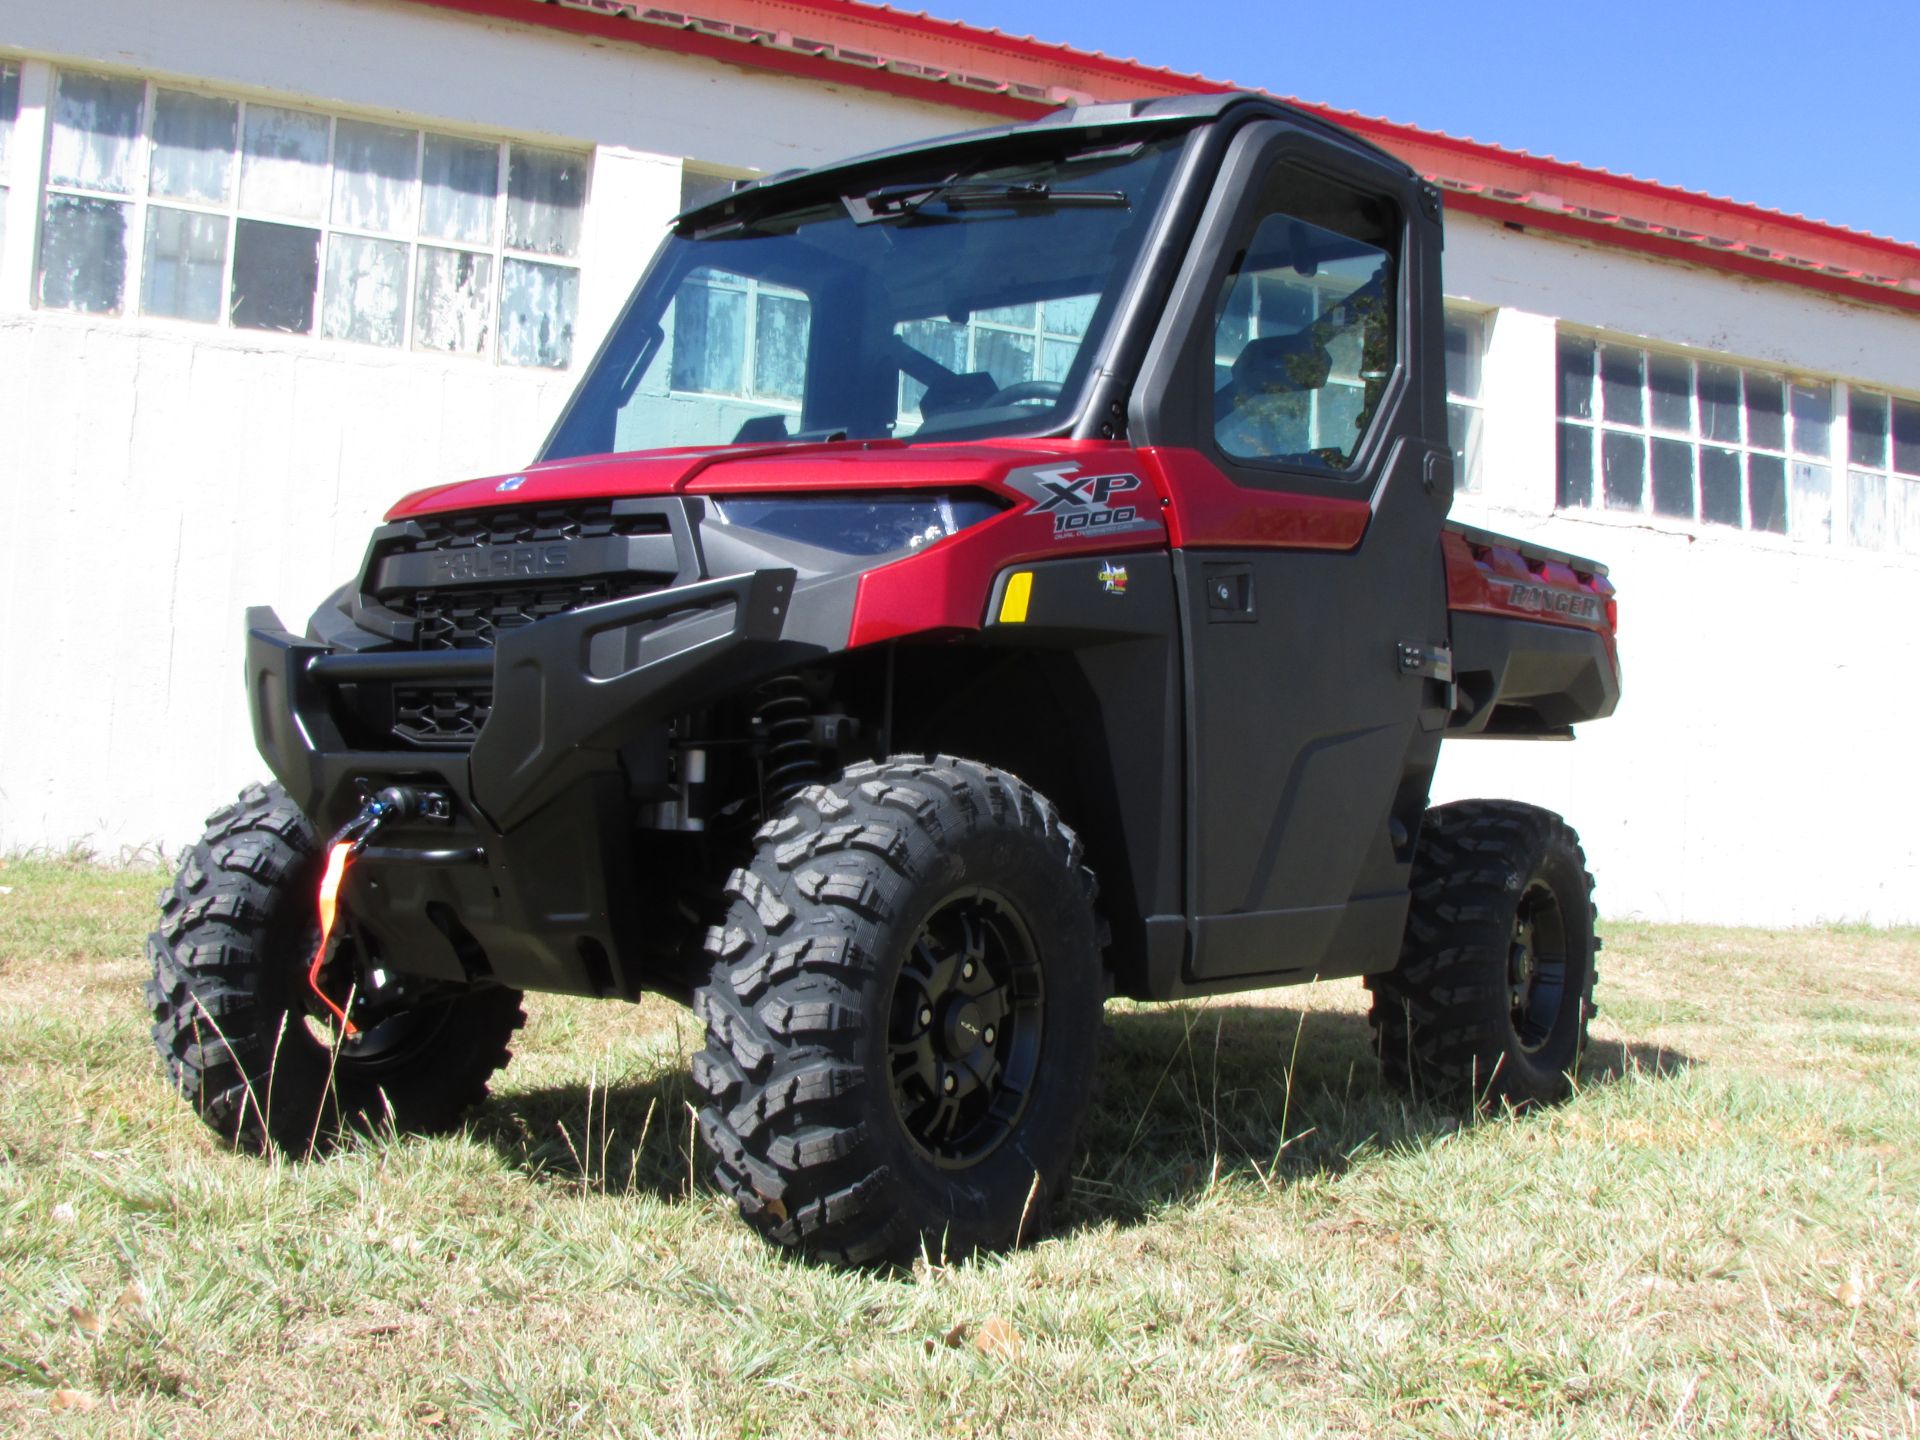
1113, 578
1085, 504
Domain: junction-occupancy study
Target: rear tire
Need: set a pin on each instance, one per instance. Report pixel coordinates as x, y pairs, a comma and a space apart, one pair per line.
1494, 989
903, 1015
232, 1010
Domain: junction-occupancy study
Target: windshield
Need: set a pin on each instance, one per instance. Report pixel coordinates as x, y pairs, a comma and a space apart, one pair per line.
930, 303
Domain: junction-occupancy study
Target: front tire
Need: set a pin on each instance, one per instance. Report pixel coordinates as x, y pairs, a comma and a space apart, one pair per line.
1494, 989
903, 1015
242, 1038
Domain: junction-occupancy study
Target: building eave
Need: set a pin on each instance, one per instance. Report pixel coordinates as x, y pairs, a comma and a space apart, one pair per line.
946, 63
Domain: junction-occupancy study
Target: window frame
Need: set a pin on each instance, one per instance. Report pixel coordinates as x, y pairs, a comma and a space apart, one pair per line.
1900, 487
9, 157
1469, 468
1834, 530
140, 205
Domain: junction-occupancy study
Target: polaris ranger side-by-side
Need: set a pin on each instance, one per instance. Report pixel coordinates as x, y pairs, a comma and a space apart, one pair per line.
971, 580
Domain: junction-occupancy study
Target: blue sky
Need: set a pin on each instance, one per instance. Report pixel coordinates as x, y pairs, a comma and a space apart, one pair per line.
1791, 106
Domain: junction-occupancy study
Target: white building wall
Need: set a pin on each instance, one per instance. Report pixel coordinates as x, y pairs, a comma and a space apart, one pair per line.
1759, 769
158, 477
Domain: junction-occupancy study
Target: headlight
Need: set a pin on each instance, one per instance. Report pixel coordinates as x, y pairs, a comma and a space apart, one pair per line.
858, 524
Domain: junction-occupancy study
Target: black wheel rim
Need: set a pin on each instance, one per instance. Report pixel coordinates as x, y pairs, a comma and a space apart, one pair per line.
1537, 967
963, 1032
388, 1034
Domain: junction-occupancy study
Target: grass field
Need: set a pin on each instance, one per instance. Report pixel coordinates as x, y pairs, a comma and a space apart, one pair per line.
1720, 1235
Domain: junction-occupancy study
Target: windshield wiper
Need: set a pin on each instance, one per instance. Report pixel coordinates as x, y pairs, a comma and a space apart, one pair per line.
897, 202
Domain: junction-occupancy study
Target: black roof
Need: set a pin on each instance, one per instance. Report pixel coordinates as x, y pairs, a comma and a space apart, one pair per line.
1167, 111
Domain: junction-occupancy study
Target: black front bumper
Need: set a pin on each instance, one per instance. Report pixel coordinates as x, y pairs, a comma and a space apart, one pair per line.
534, 881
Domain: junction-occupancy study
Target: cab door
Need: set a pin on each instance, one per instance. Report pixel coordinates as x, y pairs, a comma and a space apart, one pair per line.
1292, 403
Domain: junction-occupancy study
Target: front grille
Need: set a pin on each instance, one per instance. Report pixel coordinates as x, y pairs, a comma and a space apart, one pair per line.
460, 582
489, 569
530, 527
468, 619
441, 716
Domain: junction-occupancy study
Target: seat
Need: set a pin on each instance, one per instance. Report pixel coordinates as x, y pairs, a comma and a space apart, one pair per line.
1265, 409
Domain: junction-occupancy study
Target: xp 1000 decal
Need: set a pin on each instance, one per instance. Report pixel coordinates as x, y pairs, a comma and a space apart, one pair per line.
1088, 505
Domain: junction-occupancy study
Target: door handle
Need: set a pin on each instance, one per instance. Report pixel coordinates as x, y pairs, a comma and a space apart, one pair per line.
1229, 594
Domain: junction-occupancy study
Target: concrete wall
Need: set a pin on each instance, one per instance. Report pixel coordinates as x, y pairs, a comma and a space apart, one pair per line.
1760, 767
157, 477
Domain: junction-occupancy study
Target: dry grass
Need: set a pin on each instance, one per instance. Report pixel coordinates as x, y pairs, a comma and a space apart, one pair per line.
1717, 1237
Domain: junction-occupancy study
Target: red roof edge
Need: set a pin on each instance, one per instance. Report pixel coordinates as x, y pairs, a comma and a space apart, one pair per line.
952, 64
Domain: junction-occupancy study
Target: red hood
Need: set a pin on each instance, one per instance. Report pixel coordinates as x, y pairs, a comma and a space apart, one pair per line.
840, 465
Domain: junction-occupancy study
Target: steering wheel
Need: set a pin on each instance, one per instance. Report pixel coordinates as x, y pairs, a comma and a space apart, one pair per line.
1022, 391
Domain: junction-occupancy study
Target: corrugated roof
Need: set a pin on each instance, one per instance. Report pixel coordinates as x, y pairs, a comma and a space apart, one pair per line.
972, 67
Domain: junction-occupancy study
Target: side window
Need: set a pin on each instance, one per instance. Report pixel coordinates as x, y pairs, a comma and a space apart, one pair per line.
1304, 337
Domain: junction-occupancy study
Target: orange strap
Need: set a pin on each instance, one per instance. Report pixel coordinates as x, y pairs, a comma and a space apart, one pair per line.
337, 859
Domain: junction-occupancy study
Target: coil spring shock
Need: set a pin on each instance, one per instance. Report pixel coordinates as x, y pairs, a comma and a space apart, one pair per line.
785, 719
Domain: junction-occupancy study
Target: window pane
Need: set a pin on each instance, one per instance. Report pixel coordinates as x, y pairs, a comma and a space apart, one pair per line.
1673, 479
1576, 377
1020, 317
1620, 375
275, 270
9, 108
1906, 437
373, 173
1576, 466
1234, 327
939, 340
1623, 470
1867, 429
1767, 493
780, 347
83, 255
186, 261
1909, 521
1463, 435
545, 190
1810, 513
1005, 355
709, 335
460, 180
1766, 412
1670, 387
1867, 509
450, 301
1056, 358
537, 303
1720, 403
366, 290
1299, 393
697, 187
1719, 486
96, 121
283, 165
193, 139
1339, 418
1813, 419
1464, 345
1068, 316
3, 221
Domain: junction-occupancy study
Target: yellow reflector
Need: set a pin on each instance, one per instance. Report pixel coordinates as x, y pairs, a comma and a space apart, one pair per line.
1013, 605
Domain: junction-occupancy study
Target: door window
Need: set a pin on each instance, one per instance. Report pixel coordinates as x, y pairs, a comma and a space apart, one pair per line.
1304, 339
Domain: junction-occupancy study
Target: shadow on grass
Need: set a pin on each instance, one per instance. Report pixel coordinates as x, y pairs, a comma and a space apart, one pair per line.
1191, 1096
629, 1139
1222, 1093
